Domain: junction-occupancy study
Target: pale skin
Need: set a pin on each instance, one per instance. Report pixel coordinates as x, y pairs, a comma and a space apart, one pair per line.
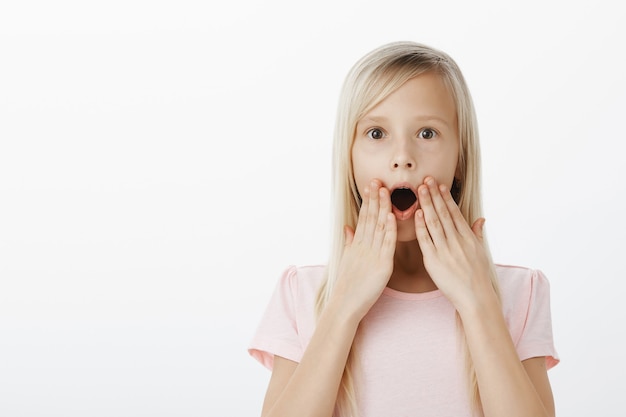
401, 141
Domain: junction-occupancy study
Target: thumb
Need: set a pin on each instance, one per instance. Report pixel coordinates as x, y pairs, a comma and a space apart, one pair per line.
477, 228
348, 234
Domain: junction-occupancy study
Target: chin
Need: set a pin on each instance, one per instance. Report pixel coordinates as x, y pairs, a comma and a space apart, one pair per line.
406, 230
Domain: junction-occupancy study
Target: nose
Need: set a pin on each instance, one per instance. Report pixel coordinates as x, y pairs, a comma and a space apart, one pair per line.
402, 156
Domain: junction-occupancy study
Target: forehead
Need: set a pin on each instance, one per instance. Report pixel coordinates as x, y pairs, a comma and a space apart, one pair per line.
423, 97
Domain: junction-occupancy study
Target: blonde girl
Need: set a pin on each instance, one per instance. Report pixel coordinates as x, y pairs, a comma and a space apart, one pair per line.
410, 317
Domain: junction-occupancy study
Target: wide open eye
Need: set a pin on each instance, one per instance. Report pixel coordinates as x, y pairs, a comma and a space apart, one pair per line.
427, 133
375, 133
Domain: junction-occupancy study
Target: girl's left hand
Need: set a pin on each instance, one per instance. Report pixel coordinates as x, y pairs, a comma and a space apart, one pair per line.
454, 254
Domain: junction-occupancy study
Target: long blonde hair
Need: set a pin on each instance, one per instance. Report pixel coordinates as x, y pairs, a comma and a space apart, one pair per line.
370, 81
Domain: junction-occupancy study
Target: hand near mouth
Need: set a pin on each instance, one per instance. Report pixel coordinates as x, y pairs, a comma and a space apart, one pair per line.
367, 261
454, 254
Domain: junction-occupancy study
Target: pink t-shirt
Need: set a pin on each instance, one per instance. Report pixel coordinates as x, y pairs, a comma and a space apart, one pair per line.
409, 362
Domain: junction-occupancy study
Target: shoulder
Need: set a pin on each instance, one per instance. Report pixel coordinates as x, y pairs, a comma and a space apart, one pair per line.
522, 289
518, 276
303, 280
518, 284
305, 273
525, 295
308, 272
289, 320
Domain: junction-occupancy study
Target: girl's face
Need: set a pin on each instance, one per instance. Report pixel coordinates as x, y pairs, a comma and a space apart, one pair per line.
410, 135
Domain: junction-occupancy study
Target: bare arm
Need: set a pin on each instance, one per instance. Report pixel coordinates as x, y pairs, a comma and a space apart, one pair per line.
310, 388
456, 259
538, 374
507, 386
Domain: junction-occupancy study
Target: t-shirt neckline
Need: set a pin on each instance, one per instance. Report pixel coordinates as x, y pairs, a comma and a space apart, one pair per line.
390, 292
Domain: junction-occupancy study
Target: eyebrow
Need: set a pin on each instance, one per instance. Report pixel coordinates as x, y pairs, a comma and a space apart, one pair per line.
420, 118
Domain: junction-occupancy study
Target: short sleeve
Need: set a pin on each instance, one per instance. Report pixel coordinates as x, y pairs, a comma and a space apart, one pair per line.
277, 333
537, 338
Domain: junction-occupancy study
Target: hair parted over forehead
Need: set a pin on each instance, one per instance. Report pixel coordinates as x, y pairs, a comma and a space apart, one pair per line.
370, 81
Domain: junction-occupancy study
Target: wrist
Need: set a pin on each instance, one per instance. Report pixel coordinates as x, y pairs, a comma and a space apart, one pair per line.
343, 311
484, 302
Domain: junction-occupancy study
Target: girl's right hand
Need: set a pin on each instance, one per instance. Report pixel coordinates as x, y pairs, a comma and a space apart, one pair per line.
367, 261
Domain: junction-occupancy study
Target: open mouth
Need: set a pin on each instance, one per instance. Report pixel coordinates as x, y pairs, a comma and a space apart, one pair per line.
403, 198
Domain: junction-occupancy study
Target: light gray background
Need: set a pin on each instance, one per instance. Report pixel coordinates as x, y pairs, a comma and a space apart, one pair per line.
162, 162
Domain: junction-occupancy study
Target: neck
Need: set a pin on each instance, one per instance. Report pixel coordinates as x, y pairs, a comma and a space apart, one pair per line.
409, 273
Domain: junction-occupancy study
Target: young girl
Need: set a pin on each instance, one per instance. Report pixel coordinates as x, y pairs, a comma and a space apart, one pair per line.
410, 317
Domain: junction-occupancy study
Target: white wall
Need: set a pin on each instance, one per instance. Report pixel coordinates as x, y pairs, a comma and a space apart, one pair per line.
162, 162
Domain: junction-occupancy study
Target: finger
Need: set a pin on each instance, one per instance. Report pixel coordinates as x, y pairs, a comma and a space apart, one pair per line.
423, 237
384, 199
371, 220
360, 223
441, 208
388, 247
348, 234
478, 227
433, 224
455, 213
